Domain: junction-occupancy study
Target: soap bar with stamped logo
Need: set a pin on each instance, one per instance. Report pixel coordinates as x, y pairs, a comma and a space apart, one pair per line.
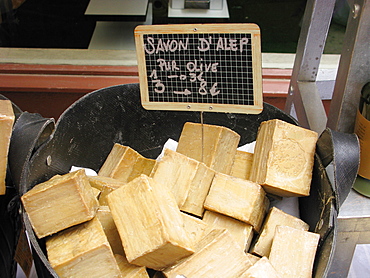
283, 158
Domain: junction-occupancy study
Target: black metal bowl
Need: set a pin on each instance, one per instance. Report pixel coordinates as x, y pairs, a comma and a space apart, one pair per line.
87, 130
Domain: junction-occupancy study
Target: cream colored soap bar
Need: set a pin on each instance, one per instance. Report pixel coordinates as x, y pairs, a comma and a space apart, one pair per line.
283, 158
198, 191
106, 185
242, 165
195, 228
59, 203
261, 269
293, 252
105, 217
129, 270
252, 258
217, 255
187, 179
150, 223
238, 198
241, 231
6, 124
125, 164
96, 192
274, 218
214, 145
82, 251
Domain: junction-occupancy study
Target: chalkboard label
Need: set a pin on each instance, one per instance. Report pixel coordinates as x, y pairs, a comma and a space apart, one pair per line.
205, 67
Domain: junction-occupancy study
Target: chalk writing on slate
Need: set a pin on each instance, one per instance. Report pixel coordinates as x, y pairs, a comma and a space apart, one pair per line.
202, 68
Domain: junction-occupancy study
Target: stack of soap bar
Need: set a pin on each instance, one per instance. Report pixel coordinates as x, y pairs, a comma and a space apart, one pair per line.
283, 158
125, 164
217, 255
293, 252
240, 231
59, 203
274, 218
187, 179
105, 185
214, 145
6, 124
82, 251
238, 198
150, 223
242, 165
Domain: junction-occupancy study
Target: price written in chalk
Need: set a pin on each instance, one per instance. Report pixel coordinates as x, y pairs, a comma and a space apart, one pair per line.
194, 74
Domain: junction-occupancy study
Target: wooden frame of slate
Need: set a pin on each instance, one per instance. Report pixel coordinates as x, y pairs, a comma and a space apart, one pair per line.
200, 67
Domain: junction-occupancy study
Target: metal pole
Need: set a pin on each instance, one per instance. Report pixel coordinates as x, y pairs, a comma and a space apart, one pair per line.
354, 69
303, 98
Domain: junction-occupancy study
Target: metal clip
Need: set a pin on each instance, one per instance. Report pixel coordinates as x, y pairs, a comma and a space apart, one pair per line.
197, 4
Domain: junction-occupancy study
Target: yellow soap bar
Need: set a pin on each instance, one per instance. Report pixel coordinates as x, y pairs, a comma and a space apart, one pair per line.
238, 198
242, 165
261, 269
240, 231
129, 270
217, 255
293, 252
82, 251
195, 228
105, 217
6, 124
188, 180
211, 144
149, 223
125, 164
59, 203
105, 185
274, 218
283, 158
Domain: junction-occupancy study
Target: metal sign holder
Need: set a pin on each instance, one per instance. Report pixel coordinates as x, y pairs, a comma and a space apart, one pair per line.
304, 102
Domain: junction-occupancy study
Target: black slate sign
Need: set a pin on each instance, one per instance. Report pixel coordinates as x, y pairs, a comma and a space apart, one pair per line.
207, 67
